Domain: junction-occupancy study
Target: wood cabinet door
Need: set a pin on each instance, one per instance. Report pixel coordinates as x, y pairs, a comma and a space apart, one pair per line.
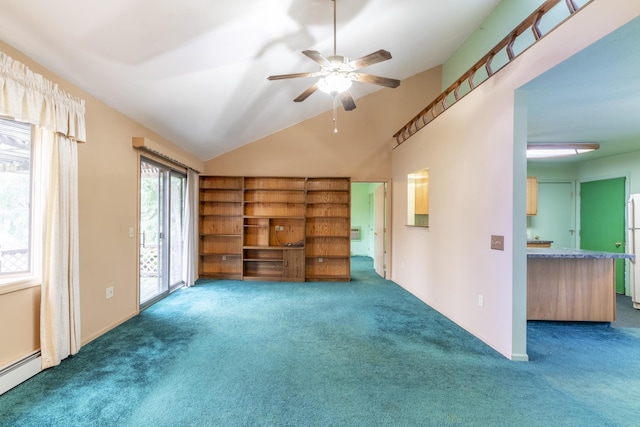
294, 264
422, 196
532, 195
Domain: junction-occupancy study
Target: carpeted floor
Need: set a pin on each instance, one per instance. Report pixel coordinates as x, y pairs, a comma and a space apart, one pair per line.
363, 353
626, 315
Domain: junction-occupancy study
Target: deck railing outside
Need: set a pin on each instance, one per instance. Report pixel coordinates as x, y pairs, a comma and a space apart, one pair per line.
14, 260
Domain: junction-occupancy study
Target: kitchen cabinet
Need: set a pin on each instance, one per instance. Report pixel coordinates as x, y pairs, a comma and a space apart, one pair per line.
532, 195
422, 195
571, 285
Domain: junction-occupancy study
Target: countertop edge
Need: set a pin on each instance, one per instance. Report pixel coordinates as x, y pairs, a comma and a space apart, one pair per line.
575, 253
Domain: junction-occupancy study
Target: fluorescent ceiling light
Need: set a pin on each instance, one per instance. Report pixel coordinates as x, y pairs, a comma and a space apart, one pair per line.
550, 150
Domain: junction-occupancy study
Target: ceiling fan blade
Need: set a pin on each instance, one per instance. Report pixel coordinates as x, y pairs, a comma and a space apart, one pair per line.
347, 101
376, 80
317, 57
291, 76
304, 95
372, 58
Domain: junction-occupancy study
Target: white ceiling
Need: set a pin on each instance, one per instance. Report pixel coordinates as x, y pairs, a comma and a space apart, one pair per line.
594, 96
194, 71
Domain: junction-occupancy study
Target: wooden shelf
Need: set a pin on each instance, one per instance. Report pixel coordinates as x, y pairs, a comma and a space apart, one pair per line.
327, 231
275, 228
220, 227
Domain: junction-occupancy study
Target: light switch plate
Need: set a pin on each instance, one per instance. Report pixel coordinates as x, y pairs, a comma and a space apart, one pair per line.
497, 243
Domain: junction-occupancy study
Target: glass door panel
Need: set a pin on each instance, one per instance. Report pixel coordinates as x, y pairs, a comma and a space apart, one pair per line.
161, 225
176, 227
151, 219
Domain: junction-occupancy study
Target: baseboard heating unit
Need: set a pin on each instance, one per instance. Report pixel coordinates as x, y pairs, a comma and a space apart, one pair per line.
18, 372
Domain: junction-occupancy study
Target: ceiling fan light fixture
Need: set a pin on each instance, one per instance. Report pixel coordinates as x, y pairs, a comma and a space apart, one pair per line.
337, 73
334, 83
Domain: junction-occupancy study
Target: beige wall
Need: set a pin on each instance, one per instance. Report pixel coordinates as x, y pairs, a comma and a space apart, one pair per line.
19, 324
475, 153
108, 191
360, 150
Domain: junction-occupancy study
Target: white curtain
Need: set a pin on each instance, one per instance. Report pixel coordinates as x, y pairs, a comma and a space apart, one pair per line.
190, 236
60, 306
29, 97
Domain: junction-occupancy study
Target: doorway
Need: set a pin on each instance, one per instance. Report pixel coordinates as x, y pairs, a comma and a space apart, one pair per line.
555, 220
602, 220
162, 195
369, 231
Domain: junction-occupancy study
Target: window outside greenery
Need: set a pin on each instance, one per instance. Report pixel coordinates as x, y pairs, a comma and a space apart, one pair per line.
15, 197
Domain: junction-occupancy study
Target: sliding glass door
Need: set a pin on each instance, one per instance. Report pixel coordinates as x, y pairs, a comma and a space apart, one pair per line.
162, 192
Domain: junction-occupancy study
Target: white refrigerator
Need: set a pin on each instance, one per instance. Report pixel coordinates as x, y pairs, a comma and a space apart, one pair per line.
633, 246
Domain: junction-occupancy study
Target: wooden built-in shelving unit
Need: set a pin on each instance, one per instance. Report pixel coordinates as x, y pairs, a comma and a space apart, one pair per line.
221, 202
275, 228
328, 230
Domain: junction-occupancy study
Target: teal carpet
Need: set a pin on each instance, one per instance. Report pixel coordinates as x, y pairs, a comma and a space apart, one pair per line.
364, 353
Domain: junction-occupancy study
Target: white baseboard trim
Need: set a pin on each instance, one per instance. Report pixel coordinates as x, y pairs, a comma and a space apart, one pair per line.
19, 372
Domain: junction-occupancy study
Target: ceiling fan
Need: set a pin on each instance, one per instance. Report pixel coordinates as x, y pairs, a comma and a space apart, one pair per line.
337, 72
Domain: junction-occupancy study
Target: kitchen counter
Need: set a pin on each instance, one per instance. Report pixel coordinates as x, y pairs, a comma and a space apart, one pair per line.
573, 253
537, 243
571, 284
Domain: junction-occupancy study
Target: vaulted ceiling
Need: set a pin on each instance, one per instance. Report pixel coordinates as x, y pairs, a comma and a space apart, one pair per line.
194, 71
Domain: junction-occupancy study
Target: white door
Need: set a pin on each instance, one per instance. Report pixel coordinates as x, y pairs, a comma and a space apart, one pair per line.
556, 214
379, 231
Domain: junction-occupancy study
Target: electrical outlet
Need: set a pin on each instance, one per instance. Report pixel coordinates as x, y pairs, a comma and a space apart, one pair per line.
130, 231
320, 259
224, 257
480, 301
109, 292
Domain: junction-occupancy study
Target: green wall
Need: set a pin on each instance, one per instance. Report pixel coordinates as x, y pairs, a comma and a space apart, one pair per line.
504, 18
360, 217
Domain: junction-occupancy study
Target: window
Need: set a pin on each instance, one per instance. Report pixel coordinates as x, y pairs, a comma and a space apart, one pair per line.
15, 198
418, 198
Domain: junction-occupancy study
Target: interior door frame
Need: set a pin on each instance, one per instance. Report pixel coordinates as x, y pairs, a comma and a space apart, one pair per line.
387, 220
